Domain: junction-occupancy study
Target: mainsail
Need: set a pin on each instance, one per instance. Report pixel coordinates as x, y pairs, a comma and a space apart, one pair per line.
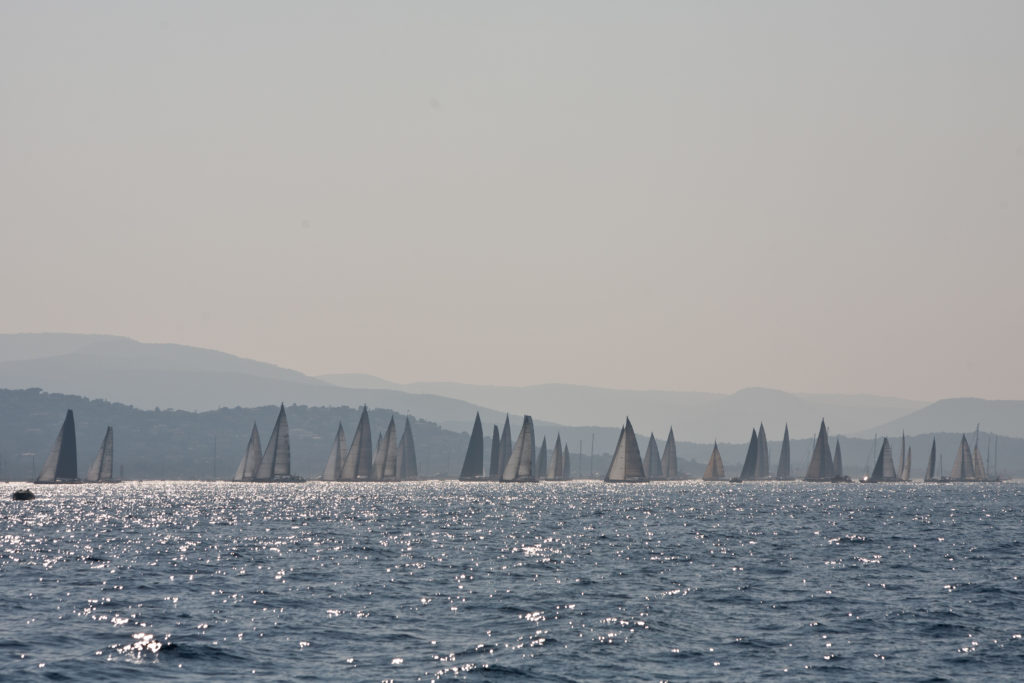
783, 472
652, 461
506, 445
62, 465
103, 466
386, 468
749, 470
905, 474
335, 461
821, 467
626, 465
251, 460
963, 464
837, 462
556, 464
277, 459
763, 463
407, 467
884, 470
903, 455
542, 459
715, 471
359, 461
473, 465
929, 472
495, 469
520, 464
979, 467
669, 462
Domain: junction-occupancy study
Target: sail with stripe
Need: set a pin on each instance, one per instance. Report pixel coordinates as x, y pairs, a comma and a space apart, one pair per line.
715, 471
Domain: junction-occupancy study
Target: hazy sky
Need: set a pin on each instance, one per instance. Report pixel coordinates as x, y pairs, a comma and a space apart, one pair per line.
810, 196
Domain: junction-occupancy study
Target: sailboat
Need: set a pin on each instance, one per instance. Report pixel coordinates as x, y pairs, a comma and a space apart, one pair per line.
626, 465
837, 467
62, 465
749, 470
359, 460
763, 462
783, 472
102, 469
669, 462
929, 471
495, 469
905, 474
407, 467
963, 464
519, 467
473, 465
556, 466
251, 460
821, 468
276, 464
884, 469
652, 461
506, 446
715, 471
979, 466
385, 468
903, 455
542, 459
332, 472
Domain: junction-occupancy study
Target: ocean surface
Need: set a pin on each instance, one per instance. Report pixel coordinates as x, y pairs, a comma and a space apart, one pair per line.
554, 581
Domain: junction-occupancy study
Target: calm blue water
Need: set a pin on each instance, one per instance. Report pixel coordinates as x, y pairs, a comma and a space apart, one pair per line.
567, 581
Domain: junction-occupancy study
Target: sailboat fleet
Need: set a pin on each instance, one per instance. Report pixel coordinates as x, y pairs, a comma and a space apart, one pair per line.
394, 458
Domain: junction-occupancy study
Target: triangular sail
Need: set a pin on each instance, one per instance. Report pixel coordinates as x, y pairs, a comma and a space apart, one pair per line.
542, 459
556, 465
494, 471
408, 469
277, 459
929, 471
669, 462
520, 464
626, 464
359, 461
783, 471
837, 462
102, 468
62, 465
821, 467
979, 466
885, 469
763, 463
905, 474
332, 472
251, 460
387, 467
473, 465
963, 464
715, 471
506, 445
903, 455
749, 470
652, 461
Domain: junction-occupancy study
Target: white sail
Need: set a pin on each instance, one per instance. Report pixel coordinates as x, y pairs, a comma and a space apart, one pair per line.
332, 472
251, 460
102, 468
506, 446
387, 467
715, 471
359, 461
520, 463
277, 459
626, 465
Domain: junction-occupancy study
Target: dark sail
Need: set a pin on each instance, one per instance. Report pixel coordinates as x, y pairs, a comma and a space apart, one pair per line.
520, 464
102, 468
408, 469
929, 472
332, 472
62, 465
626, 465
387, 469
963, 464
783, 472
885, 469
821, 467
277, 459
749, 470
495, 470
506, 446
715, 471
669, 463
542, 459
837, 462
763, 463
359, 461
556, 466
473, 465
652, 461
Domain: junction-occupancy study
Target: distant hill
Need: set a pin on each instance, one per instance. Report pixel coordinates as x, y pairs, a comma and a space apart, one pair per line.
960, 415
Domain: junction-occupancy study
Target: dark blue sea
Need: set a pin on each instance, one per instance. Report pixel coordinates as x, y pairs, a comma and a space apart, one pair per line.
555, 581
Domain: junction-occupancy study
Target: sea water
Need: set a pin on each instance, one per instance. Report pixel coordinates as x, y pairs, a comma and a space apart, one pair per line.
555, 581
